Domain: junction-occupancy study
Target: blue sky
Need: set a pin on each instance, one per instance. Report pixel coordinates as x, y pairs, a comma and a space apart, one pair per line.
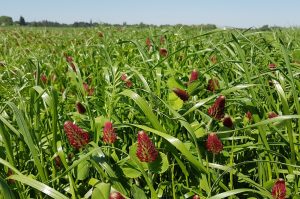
235, 13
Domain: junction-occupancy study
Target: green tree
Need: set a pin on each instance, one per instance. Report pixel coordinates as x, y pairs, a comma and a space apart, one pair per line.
6, 21
22, 21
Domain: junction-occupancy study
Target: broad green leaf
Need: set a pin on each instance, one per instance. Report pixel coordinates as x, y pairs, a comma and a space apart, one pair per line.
174, 101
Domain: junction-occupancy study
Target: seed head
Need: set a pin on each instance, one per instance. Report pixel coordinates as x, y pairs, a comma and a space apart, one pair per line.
163, 52
76, 136
182, 94
109, 134
279, 189
146, 151
213, 59
9, 173
213, 85
100, 34
217, 109
80, 108
214, 144
115, 195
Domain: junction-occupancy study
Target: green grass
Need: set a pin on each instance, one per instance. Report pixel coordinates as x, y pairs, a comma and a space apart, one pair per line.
256, 153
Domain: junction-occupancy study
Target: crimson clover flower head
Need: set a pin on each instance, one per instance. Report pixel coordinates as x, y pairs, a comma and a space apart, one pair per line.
227, 121
249, 115
163, 52
214, 144
109, 133
148, 42
279, 189
44, 78
196, 197
194, 76
89, 90
80, 108
182, 94
218, 108
76, 136
115, 195
146, 151
213, 85
127, 81
272, 66
272, 115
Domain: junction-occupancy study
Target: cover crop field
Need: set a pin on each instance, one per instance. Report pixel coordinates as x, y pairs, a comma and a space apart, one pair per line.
131, 112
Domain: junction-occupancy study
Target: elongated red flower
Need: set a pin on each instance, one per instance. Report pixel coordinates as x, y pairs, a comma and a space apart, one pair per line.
182, 94
227, 121
218, 108
109, 133
57, 161
148, 43
127, 81
272, 66
76, 136
163, 52
80, 108
194, 76
146, 151
89, 90
249, 115
272, 115
214, 144
115, 195
279, 189
196, 197
213, 85
69, 59
44, 78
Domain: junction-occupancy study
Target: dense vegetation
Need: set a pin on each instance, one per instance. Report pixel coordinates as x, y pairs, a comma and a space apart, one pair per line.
149, 113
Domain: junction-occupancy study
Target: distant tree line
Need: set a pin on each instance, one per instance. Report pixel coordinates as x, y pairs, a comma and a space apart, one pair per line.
8, 21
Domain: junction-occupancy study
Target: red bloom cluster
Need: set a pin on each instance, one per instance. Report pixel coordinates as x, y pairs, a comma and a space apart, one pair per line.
125, 79
115, 195
163, 52
57, 161
89, 90
80, 108
249, 115
194, 76
196, 197
227, 121
272, 115
182, 94
214, 144
69, 59
44, 78
279, 189
76, 136
217, 109
146, 151
148, 43
109, 133
213, 85
272, 66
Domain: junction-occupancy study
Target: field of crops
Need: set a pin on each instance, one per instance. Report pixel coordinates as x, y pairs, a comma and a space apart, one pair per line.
131, 112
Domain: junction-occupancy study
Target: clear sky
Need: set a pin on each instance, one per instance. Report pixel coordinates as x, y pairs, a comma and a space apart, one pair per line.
235, 13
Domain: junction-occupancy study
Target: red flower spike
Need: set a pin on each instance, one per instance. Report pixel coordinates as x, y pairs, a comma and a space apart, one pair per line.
148, 43
69, 59
272, 115
217, 109
90, 91
227, 121
196, 197
213, 85
115, 195
249, 115
128, 83
125, 79
76, 136
163, 52
80, 108
214, 144
182, 94
44, 78
146, 151
109, 133
279, 189
194, 76
57, 161
272, 66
